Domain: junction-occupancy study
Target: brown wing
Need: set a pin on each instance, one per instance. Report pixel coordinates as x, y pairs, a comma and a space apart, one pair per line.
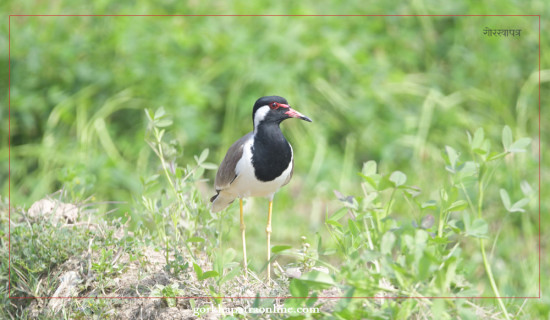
226, 173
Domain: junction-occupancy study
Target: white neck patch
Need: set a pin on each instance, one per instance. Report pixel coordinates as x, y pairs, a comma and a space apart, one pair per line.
260, 116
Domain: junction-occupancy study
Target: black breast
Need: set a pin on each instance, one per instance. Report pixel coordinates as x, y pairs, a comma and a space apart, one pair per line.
271, 153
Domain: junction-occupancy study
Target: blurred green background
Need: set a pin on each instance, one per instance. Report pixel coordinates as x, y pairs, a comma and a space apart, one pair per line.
391, 89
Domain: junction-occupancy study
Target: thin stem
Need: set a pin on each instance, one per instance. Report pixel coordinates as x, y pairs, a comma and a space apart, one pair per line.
492, 279
190, 172
371, 246
485, 260
441, 220
161, 157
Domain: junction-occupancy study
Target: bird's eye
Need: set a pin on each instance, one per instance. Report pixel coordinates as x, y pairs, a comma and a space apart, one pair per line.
273, 105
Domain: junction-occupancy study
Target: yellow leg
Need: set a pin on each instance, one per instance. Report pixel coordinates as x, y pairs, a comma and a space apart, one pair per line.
268, 232
243, 228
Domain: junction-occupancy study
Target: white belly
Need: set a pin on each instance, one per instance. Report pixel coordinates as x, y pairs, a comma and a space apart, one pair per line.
247, 185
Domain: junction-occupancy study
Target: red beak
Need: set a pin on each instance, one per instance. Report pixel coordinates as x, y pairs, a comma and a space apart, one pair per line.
295, 114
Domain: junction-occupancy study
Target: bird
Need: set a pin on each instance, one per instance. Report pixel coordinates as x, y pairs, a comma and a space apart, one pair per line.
258, 164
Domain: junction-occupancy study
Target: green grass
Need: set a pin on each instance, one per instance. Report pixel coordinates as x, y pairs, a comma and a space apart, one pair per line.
370, 252
401, 93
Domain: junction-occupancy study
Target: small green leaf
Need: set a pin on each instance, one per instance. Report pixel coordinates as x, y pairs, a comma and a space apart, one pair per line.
209, 274
526, 188
163, 123
430, 204
505, 199
518, 206
412, 191
452, 156
520, 145
277, 249
298, 288
209, 166
317, 280
195, 239
159, 113
334, 223
456, 225
149, 114
338, 214
198, 270
479, 136
352, 225
203, 155
506, 137
458, 205
442, 240
478, 228
369, 168
371, 180
443, 195
398, 178
484, 148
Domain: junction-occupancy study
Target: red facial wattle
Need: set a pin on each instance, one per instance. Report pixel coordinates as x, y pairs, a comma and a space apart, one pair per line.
276, 105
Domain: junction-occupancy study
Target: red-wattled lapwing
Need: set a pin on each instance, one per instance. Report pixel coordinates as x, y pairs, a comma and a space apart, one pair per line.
258, 164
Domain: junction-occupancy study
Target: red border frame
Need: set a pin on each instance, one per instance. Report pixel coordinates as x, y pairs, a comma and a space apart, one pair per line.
256, 15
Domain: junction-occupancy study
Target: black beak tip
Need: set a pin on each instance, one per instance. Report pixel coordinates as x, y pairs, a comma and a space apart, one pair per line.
306, 119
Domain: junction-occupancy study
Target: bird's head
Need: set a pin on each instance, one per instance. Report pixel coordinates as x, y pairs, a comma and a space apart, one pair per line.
274, 109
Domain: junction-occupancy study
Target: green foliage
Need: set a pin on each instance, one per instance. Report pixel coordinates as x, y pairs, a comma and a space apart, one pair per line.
90, 308
38, 247
203, 275
105, 266
168, 293
180, 218
378, 256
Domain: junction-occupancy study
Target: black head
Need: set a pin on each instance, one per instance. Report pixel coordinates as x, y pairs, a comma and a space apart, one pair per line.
274, 109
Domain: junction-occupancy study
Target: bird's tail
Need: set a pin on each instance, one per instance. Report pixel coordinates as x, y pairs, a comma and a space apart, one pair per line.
221, 201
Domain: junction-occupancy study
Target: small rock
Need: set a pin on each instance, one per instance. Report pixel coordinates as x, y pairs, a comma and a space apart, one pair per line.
67, 288
293, 272
54, 209
41, 207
